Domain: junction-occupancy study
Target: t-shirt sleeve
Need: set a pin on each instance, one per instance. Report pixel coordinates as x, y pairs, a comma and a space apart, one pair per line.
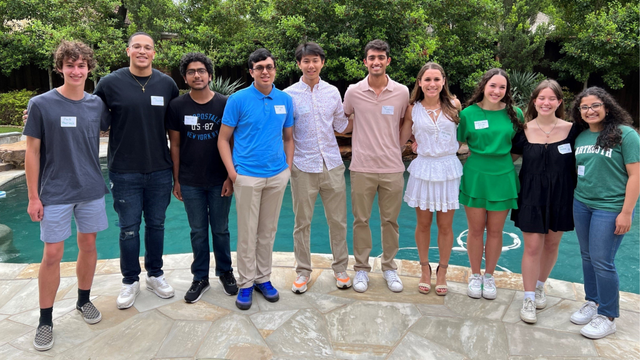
518, 143
288, 121
175, 92
100, 91
170, 118
340, 121
231, 113
34, 126
347, 105
105, 118
462, 128
630, 147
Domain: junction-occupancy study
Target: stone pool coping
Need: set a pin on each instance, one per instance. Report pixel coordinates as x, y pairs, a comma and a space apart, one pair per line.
324, 323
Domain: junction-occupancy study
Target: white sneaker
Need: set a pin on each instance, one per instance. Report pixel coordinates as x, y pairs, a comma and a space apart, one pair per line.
585, 313
158, 285
128, 294
475, 286
361, 281
599, 327
541, 298
343, 280
393, 281
300, 285
528, 311
489, 290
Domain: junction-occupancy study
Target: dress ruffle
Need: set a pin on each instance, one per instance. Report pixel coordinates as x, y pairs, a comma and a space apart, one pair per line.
436, 169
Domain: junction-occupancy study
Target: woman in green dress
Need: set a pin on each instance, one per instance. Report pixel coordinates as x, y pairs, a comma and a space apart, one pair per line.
489, 184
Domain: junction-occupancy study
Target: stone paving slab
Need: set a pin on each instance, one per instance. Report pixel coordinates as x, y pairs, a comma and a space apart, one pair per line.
323, 323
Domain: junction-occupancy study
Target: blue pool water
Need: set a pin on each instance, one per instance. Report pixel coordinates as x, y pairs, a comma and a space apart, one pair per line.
27, 248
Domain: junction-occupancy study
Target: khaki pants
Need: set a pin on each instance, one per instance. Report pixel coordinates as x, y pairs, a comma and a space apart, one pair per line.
258, 202
304, 191
364, 187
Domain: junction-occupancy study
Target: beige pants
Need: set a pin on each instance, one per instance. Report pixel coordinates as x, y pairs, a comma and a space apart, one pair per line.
304, 192
364, 187
258, 202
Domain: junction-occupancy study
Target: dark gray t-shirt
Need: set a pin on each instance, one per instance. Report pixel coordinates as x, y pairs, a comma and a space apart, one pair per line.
69, 132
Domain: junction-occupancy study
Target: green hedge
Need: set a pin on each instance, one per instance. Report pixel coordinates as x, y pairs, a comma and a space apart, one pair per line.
12, 104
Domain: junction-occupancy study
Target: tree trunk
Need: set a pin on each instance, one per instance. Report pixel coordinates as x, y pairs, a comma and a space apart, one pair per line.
584, 85
50, 72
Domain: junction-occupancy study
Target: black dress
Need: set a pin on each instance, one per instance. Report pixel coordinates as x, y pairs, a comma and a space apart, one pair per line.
547, 180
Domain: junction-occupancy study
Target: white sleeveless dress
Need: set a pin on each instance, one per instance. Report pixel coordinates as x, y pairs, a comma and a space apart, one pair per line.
434, 180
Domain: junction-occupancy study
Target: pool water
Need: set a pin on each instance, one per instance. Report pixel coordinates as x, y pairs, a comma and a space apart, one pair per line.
26, 246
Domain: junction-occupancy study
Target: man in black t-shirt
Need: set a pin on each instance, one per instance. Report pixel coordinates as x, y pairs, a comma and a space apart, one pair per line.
139, 164
199, 176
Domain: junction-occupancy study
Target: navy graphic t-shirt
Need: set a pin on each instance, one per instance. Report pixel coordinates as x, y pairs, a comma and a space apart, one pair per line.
198, 124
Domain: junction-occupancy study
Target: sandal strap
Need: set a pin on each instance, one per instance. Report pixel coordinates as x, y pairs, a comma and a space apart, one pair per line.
424, 263
444, 266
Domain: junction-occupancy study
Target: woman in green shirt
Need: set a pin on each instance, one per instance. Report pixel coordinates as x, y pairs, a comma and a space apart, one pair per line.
608, 166
489, 184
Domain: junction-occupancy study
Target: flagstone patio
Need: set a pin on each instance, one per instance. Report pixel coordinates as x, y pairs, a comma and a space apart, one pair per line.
323, 323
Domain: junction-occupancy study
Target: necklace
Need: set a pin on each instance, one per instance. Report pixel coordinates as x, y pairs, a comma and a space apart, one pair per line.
145, 84
547, 133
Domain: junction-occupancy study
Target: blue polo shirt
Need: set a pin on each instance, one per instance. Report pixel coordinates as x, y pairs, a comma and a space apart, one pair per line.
258, 120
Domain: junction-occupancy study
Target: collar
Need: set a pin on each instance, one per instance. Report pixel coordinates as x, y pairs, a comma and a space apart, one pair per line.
364, 84
260, 95
306, 86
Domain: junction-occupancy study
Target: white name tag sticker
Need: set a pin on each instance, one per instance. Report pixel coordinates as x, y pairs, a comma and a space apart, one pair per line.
564, 148
157, 101
580, 170
445, 135
190, 120
481, 124
303, 109
387, 110
67, 121
280, 109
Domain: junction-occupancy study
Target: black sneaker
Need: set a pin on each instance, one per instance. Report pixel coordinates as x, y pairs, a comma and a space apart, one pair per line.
228, 282
196, 290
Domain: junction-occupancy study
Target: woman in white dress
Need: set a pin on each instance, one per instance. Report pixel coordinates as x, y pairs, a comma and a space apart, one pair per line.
434, 180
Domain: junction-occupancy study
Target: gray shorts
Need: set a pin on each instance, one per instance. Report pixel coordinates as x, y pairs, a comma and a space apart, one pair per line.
90, 216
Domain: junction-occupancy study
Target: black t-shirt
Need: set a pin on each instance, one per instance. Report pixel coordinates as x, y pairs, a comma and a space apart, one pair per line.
138, 140
200, 162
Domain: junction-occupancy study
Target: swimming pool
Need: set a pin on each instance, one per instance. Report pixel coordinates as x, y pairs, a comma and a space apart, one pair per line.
27, 248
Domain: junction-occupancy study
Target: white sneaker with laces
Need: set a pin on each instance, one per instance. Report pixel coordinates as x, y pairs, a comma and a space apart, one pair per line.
541, 298
361, 281
528, 311
489, 290
475, 286
393, 281
599, 327
159, 286
128, 294
585, 313
343, 280
300, 285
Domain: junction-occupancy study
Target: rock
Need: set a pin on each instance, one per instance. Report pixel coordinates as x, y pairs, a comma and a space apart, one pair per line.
13, 153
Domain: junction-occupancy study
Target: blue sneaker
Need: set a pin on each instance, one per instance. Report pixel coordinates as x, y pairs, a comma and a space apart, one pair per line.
268, 291
243, 301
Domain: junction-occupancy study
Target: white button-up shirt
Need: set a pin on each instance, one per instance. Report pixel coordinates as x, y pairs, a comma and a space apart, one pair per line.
316, 115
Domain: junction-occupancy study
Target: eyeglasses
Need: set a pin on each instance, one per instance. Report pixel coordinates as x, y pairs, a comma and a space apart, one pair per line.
260, 68
594, 107
201, 71
138, 47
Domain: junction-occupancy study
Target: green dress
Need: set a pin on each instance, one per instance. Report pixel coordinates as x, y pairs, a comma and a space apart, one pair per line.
489, 180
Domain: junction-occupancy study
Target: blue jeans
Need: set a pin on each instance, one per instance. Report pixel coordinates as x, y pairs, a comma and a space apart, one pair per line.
133, 195
205, 207
598, 247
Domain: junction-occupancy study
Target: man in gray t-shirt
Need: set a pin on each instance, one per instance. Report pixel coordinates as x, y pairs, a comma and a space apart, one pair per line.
64, 180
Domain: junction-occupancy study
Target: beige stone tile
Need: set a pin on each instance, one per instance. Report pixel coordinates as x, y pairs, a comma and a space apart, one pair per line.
361, 351
611, 348
321, 261
511, 281
27, 298
111, 266
282, 259
10, 271
326, 303
8, 352
100, 264
8, 288
201, 310
480, 308
629, 301
628, 326
111, 315
31, 317
68, 269
416, 347
378, 291
535, 341
230, 334
512, 315
436, 310
288, 301
271, 320
108, 285
178, 261
29, 272
304, 335
10, 330
561, 289
248, 351
147, 300
184, 339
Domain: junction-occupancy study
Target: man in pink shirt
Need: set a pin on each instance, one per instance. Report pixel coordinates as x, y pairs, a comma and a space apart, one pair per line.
378, 105
317, 165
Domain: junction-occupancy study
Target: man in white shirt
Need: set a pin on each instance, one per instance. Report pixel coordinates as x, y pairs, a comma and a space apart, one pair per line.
317, 165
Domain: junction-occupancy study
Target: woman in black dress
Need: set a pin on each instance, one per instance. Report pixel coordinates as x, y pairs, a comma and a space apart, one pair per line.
547, 181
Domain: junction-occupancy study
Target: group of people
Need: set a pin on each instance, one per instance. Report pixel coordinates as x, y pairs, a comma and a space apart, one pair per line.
255, 141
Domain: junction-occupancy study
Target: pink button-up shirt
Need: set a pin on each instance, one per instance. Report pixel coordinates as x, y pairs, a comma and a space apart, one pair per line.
316, 114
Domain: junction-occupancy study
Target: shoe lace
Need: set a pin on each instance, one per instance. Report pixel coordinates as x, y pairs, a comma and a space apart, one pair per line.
361, 276
489, 282
597, 321
528, 305
301, 279
392, 276
585, 308
267, 286
342, 275
539, 291
246, 291
476, 281
228, 278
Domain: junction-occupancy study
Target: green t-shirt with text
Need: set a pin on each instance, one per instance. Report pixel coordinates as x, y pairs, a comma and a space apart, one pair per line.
602, 174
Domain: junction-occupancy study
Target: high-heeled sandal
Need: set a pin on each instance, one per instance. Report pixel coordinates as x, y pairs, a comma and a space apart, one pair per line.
425, 288
441, 290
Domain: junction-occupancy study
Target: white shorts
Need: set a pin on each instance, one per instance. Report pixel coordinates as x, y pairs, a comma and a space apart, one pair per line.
90, 217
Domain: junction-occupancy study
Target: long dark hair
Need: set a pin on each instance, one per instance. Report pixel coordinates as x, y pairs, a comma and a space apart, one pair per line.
445, 97
478, 95
615, 115
532, 113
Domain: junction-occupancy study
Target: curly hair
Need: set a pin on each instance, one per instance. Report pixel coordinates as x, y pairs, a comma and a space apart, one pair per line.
73, 50
531, 112
188, 58
445, 97
615, 115
478, 95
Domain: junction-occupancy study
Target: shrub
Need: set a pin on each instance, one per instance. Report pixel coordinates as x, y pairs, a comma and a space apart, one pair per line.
225, 87
522, 85
12, 104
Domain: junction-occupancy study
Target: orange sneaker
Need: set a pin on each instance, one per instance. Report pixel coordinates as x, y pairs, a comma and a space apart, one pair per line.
343, 281
300, 285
